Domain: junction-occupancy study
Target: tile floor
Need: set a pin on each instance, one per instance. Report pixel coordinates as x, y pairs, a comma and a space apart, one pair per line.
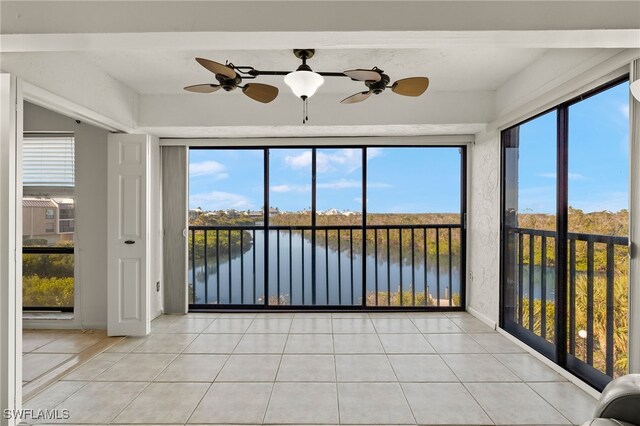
317, 368
43, 350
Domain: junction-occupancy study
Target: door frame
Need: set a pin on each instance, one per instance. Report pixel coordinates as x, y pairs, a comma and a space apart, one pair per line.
351, 143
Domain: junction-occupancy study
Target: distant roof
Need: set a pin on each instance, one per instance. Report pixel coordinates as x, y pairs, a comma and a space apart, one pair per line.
38, 202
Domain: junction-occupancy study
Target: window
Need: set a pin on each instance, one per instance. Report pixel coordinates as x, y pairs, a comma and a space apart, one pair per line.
565, 225
48, 208
315, 246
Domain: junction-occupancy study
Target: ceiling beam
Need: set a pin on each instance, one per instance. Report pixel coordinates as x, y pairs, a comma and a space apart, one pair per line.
63, 17
555, 39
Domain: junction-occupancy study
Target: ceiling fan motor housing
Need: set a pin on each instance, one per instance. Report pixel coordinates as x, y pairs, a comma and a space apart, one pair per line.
228, 84
378, 87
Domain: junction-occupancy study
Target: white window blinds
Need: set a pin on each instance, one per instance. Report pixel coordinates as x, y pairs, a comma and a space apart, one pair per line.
48, 161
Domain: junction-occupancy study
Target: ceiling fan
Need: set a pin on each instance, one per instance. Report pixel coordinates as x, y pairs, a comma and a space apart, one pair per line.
377, 81
229, 80
303, 81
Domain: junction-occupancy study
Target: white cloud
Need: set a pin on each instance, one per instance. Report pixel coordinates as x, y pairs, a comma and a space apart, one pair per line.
291, 188
348, 160
299, 161
208, 168
218, 200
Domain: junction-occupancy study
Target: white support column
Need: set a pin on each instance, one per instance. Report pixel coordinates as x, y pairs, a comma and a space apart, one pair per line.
10, 240
634, 227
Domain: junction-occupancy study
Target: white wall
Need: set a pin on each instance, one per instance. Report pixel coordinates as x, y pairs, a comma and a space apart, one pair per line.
483, 284
91, 208
155, 215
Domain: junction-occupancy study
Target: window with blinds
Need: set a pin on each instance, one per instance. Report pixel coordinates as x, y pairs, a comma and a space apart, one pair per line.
48, 161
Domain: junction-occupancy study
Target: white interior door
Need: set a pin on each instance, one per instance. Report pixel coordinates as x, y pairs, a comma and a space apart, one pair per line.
128, 235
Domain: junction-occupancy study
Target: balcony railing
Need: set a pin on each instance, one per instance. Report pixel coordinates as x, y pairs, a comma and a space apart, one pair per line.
327, 266
597, 296
48, 278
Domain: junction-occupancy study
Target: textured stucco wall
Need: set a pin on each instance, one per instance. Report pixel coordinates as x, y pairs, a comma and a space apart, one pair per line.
484, 227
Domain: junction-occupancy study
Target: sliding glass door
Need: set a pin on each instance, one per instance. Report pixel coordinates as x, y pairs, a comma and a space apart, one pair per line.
565, 227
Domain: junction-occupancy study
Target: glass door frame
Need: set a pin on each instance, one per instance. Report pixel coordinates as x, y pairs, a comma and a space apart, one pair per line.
193, 307
558, 351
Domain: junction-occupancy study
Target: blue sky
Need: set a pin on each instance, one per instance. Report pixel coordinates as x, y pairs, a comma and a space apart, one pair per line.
415, 180
598, 156
409, 180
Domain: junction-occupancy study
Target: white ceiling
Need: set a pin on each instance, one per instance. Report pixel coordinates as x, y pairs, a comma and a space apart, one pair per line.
451, 69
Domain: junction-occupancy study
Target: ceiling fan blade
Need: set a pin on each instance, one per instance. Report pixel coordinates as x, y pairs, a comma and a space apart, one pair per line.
363, 75
358, 97
202, 88
413, 86
217, 68
260, 92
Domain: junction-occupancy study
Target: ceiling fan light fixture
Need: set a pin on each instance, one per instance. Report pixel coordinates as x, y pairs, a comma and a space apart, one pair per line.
635, 89
304, 83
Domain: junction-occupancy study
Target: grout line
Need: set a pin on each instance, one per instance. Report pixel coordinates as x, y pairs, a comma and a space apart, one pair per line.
397, 380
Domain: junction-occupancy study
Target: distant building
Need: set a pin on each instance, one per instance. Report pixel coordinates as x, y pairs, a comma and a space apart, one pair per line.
273, 211
50, 219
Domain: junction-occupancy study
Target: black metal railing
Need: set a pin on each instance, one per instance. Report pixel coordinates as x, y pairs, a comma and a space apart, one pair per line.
347, 265
48, 278
597, 287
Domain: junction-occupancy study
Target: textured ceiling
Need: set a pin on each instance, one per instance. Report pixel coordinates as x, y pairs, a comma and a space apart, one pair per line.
452, 69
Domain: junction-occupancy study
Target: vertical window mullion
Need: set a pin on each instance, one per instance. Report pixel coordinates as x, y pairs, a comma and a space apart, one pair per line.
562, 173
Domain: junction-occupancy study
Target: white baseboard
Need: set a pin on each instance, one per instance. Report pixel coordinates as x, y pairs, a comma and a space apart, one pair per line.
561, 371
482, 317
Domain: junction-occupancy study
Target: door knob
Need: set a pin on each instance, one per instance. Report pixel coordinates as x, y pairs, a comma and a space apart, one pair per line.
129, 242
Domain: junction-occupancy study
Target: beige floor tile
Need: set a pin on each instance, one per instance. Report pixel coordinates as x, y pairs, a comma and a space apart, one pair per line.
214, 344
479, 368
233, 403
514, 404
71, 343
32, 341
270, 325
313, 403
444, 403
193, 368
250, 368
311, 325
229, 325
454, 344
374, 315
95, 366
496, 343
373, 403
353, 325
36, 364
307, 368
421, 368
309, 344
312, 315
567, 398
165, 343
405, 344
186, 326
127, 344
357, 344
528, 368
471, 325
349, 315
394, 325
53, 395
100, 402
261, 344
439, 325
364, 368
136, 368
161, 403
